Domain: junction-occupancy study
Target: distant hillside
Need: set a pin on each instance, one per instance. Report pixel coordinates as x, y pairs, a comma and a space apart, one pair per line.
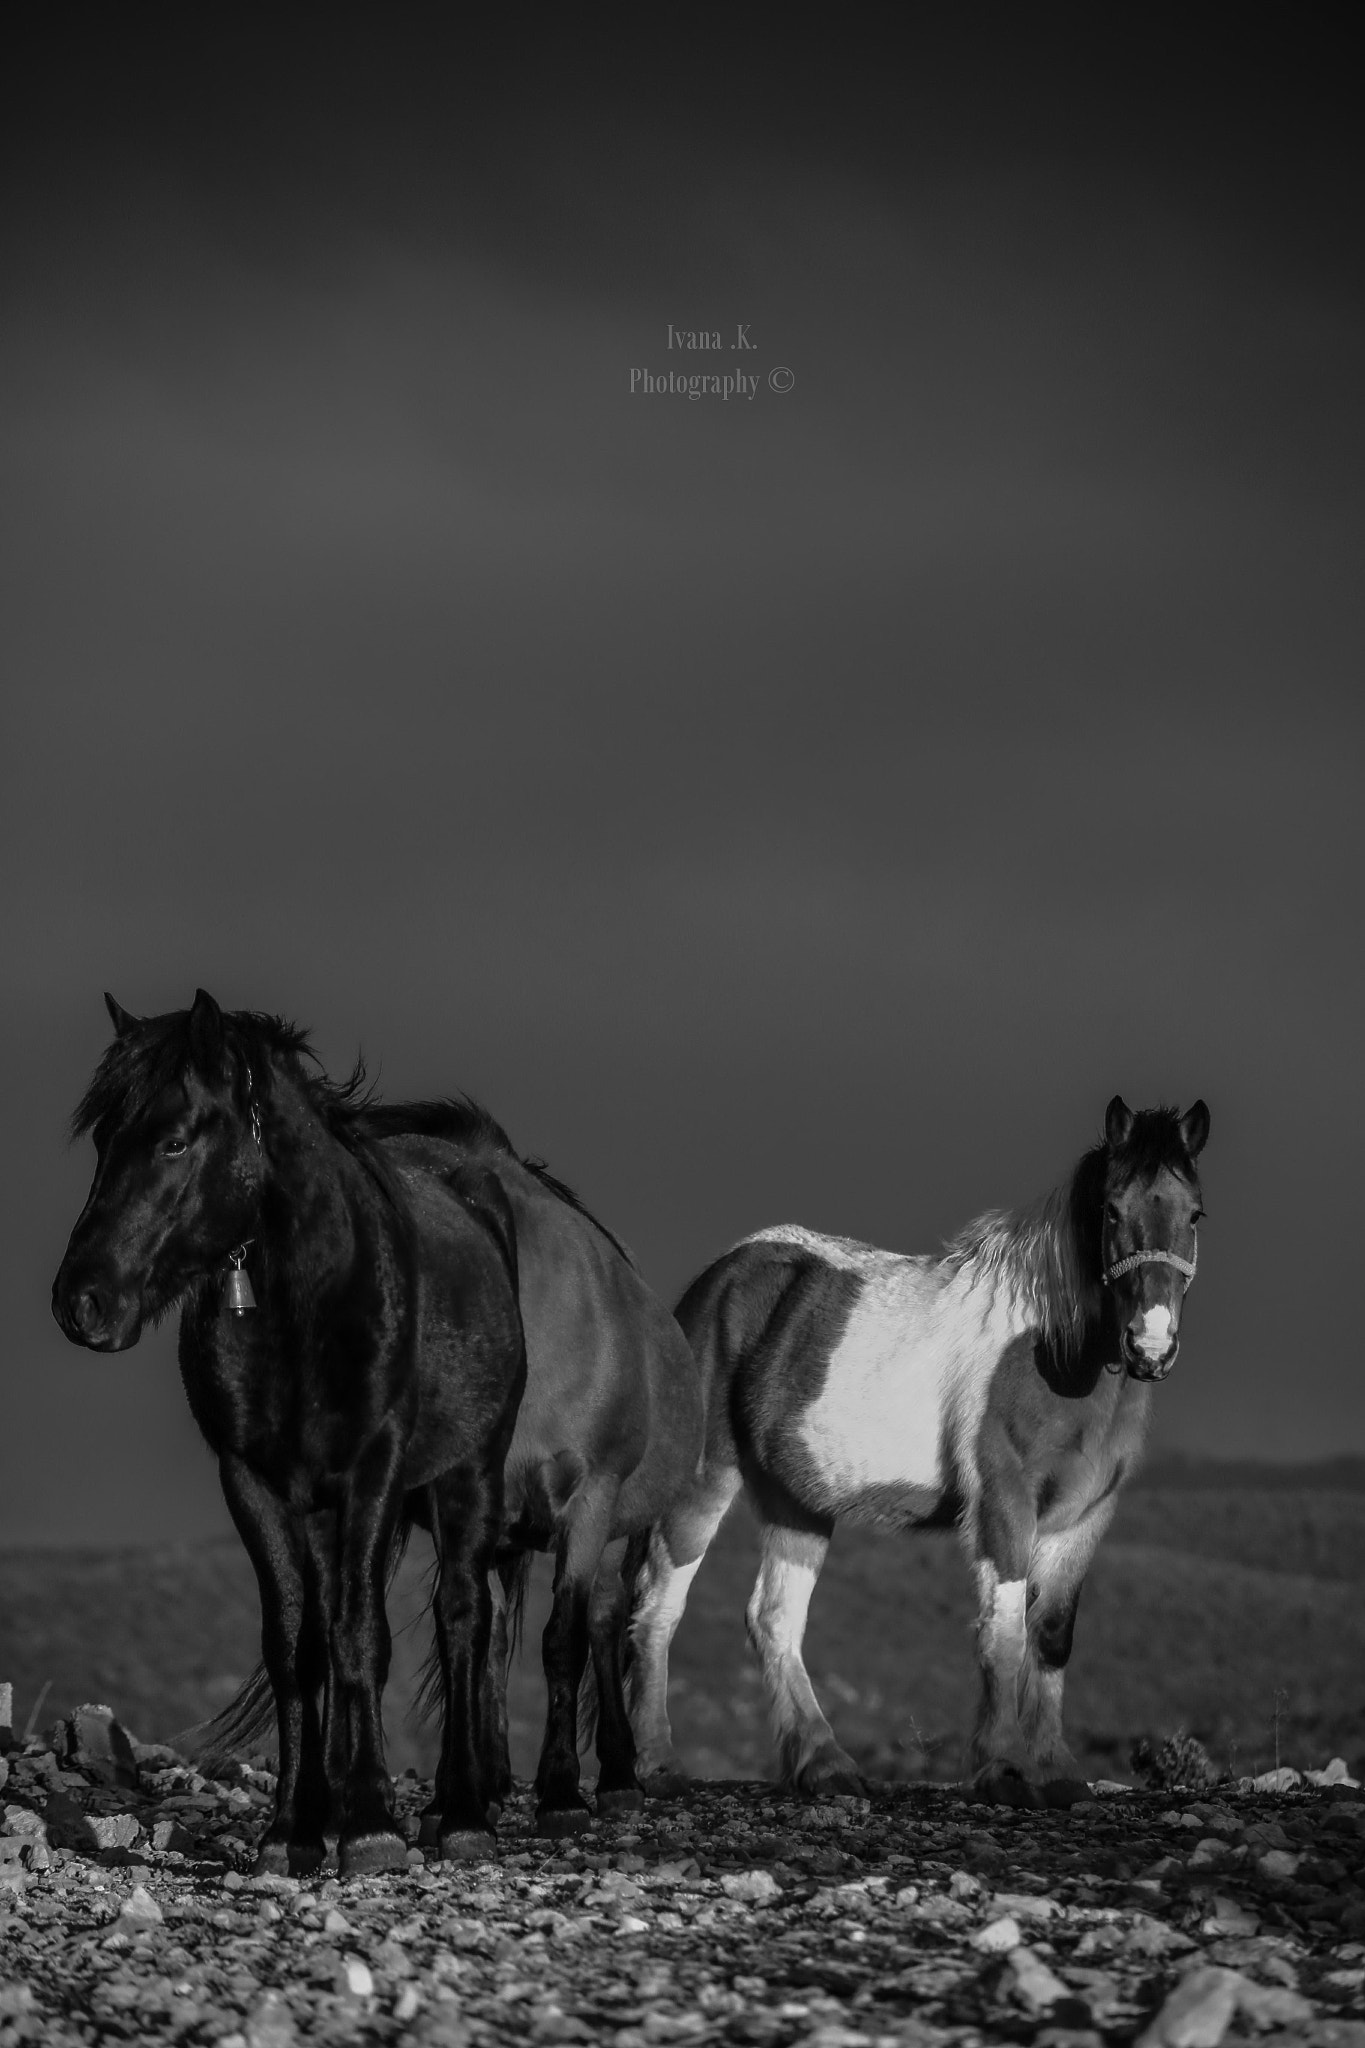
1227, 1609
1187, 1469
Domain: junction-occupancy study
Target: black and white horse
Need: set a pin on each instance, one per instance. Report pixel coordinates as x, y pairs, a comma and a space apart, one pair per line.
1004, 1386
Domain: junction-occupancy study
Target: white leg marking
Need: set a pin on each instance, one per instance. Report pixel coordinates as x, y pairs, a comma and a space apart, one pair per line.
1002, 1640
653, 1630
777, 1625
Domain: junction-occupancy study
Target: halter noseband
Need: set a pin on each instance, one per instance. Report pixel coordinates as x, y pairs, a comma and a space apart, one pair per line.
1156, 1258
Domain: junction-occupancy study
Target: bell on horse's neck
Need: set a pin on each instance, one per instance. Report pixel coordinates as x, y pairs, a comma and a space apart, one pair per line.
239, 1295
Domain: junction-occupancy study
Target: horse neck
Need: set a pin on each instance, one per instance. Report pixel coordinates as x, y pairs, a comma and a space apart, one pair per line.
318, 1198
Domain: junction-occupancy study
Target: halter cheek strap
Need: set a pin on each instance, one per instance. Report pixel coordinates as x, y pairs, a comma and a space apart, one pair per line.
1155, 1258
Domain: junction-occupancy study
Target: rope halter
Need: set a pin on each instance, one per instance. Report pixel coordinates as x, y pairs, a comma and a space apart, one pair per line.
1156, 1258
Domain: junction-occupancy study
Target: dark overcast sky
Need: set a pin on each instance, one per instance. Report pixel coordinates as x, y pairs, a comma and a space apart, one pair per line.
812, 807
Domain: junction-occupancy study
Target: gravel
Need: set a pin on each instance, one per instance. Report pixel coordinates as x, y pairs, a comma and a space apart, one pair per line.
731, 1915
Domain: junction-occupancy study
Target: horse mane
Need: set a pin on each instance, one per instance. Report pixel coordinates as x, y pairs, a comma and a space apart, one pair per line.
1049, 1252
156, 1053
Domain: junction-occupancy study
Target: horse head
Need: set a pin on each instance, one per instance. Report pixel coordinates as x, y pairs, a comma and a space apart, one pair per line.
177, 1176
1149, 1244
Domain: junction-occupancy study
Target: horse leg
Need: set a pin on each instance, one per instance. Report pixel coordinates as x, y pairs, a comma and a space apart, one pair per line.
560, 1806
618, 1788
293, 1640
466, 1513
677, 1545
495, 1686
812, 1760
1004, 1527
320, 1540
360, 1645
1060, 1563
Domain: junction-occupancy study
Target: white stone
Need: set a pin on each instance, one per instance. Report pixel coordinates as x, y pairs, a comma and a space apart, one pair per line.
999, 1937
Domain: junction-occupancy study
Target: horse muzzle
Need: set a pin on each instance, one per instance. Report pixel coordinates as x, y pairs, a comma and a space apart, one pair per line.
92, 1313
1150, 1343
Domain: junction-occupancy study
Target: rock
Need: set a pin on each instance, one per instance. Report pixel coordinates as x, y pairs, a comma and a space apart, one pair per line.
271, 2024
999, 1937
112, 1830
1282, 1780
1198, 2012
1150, 1937
100, 1747
171, 1839
358, 1980
1272, 2005
1336, 1773
755, 1887
141, 1909
1228, 1917
1033, 1983
1279, 1865
1025, 1905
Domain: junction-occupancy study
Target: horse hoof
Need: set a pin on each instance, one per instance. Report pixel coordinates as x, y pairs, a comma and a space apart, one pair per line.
274, 1859
1006, 1787
833, 1776
493, 1813
429, 1832
562, 1820
666, 1784
1065, 1791
468, 1845
364, 1855
305, 1859
628, 1800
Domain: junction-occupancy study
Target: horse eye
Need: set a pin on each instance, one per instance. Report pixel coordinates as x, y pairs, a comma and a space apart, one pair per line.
174, 1147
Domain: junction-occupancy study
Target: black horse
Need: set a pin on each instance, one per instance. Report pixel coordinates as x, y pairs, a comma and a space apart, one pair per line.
352, 1349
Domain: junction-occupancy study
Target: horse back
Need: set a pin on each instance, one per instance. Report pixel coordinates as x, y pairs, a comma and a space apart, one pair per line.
612, 1387
823, 1378
470, 1347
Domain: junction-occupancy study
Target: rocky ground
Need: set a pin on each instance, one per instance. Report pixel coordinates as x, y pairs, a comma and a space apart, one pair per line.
731, 1914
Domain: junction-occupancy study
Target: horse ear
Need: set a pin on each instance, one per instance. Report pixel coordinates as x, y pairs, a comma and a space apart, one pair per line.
1118, 1122
206, 1033
1194, 1128
122, 1020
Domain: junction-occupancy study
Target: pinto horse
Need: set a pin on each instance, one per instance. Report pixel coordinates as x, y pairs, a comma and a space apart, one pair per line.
352, 1349
1004, 1386
609, 1433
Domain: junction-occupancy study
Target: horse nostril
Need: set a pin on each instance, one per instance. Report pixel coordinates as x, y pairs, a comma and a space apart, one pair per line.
87, 1311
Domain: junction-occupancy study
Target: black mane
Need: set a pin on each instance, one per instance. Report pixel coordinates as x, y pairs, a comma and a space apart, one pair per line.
1156, 1142
157, 1052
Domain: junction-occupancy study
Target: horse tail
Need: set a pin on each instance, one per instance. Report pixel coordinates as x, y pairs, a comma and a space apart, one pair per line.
516, 1583
245, 1725
247, 1722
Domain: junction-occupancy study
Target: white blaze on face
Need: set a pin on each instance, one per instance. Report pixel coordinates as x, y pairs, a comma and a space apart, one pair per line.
1154, 1338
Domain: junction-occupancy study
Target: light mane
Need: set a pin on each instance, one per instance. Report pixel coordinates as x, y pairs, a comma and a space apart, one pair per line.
1035, 1254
